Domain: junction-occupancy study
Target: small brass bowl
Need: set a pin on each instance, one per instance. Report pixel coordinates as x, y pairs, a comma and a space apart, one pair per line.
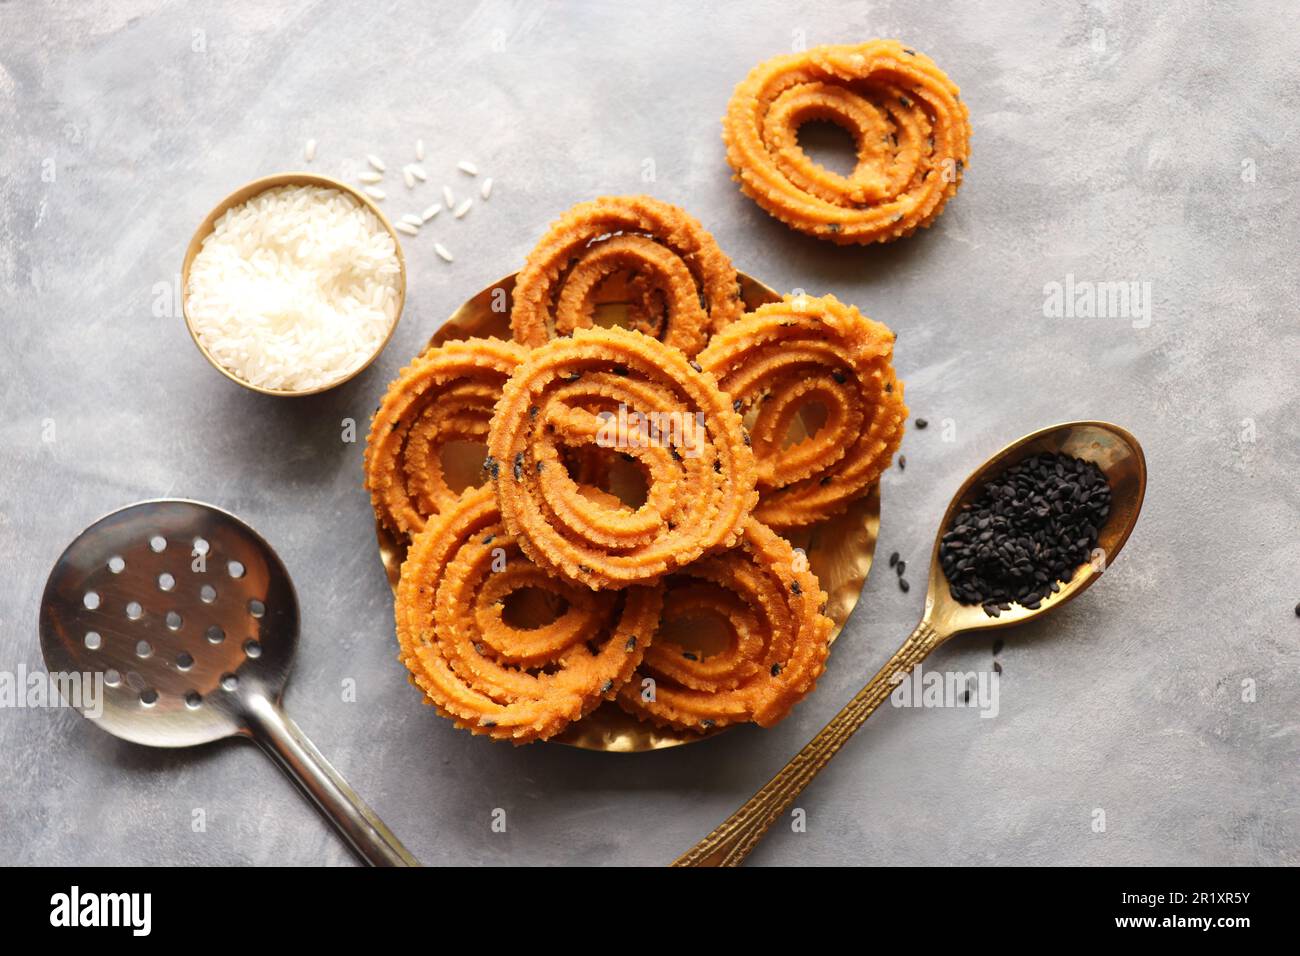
839, 550
242, 195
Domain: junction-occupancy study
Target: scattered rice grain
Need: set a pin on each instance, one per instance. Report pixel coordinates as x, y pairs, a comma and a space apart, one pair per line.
448, 197
443, 252
370, 177
486, 189
419, 149
465, 166
410, 180
309, 151
374, 192
463, 208
418, 172
376, 162
431, 212
412, 218
407, 228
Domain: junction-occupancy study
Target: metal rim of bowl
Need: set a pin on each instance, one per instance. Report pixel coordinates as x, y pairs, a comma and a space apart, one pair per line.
243, 194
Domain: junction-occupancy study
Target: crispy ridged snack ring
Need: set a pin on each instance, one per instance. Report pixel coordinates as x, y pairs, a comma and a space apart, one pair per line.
445, 395
490, 677
684, 285
769, 604
617, 392
812, 351
911, 131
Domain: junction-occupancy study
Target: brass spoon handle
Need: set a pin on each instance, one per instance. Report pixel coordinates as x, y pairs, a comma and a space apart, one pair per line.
736, 836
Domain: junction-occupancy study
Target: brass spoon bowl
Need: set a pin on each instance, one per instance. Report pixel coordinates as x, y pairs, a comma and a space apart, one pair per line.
242, 195
839, 551
1118, 455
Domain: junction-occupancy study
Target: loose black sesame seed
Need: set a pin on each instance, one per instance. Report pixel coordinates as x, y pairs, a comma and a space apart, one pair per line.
997, 668
893, 559
902, 462
997, 646
921, 423
903, 585
909, 52
902, 566
1297, 610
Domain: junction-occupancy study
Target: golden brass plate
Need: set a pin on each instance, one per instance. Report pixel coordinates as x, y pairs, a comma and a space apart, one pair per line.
839, 551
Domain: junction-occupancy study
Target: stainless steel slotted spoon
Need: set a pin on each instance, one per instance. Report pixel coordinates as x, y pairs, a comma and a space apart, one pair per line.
192, 620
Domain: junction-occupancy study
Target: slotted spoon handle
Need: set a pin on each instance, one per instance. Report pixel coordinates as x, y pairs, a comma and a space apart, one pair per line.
735, 837
285, 742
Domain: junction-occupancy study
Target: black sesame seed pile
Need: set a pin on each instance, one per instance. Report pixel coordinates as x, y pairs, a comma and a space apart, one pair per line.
1029, 530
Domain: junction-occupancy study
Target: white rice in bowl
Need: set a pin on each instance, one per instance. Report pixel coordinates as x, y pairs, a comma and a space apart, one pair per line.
295, 289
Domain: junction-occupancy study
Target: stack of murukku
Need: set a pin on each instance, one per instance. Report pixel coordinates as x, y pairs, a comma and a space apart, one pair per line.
634, 483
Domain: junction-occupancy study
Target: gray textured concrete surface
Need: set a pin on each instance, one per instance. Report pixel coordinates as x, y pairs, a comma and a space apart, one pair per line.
1147, 142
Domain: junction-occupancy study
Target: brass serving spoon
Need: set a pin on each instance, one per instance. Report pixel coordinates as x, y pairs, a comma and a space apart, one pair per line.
1119, 456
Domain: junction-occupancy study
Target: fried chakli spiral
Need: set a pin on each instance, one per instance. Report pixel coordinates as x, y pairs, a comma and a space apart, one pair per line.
911, 131
489, 676
812, 351
683, 286
445, 395
618, 392
769, 605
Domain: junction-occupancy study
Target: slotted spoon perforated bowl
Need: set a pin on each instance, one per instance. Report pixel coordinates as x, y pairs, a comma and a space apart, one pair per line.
192, 620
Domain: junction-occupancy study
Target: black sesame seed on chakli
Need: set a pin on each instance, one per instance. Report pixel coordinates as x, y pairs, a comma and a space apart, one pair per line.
1028, 531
